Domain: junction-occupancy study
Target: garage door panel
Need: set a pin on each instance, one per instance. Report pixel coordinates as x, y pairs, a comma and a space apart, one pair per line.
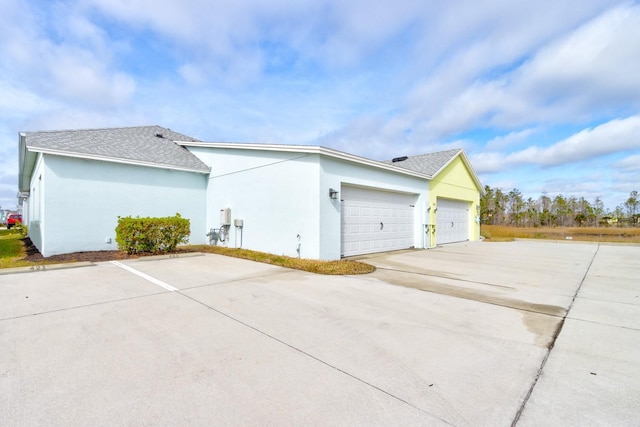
368, 209
452, 221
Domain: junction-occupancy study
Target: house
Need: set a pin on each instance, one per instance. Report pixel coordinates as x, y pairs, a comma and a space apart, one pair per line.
76, 183
295, 200
454, 189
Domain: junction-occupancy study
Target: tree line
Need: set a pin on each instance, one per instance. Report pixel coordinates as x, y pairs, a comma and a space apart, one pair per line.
500, 208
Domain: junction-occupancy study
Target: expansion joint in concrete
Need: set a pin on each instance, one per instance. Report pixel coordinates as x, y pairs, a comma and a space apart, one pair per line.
553, 342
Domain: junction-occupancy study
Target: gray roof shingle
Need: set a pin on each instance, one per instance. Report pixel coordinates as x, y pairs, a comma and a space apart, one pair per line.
149, 145
428, 164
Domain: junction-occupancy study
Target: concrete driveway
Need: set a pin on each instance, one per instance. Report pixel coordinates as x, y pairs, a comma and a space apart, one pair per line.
496, 334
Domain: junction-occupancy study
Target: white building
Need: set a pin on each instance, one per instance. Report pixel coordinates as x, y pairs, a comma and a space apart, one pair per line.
305, 201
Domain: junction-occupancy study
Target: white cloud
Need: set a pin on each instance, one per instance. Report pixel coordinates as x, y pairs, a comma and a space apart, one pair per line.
488, 162
598, 62
16, 101
459, 53
589, 72
239, 40
78, 76
578, 75
512, 138
17, 32
62, 57
629, 163
616, 135
192, 74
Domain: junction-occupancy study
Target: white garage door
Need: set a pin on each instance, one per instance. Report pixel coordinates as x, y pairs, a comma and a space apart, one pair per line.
375, 221
452, 221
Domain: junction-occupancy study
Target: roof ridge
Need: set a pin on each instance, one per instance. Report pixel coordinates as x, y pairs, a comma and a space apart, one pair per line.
94, 129
427, 163
438, 152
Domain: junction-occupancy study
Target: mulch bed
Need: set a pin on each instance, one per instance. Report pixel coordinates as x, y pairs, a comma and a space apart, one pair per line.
34, 255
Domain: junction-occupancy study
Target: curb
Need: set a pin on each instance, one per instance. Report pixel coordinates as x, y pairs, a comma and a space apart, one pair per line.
45, 267
169, 256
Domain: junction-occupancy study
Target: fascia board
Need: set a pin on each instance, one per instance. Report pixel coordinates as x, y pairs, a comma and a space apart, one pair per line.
474, 176
27, 160
305, 149
115, 160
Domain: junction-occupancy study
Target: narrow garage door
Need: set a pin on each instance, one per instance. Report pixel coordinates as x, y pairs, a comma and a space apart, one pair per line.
375, 221
452, 221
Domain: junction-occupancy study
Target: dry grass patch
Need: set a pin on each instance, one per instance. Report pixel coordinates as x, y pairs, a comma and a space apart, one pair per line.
584, 234
13, 253
346, 267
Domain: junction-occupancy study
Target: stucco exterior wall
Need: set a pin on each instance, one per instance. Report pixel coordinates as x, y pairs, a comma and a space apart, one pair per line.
336, 173
281, 195
455, 182
82, 200
275, 193
35, 206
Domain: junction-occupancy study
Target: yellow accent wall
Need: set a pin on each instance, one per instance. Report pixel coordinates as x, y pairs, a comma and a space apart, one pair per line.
456, 182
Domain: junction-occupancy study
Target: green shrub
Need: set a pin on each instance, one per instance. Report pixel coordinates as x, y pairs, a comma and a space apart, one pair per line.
151, 235
21, 228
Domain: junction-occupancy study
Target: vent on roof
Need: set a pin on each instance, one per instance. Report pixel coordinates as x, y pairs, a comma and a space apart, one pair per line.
399, 159
159, 135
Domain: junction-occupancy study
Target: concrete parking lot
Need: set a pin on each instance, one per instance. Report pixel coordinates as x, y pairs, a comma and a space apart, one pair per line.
522, 333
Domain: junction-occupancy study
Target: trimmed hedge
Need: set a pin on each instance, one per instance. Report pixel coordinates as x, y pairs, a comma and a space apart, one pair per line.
151, 235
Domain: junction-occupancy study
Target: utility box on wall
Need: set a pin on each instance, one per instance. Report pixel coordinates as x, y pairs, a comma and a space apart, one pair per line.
225, 216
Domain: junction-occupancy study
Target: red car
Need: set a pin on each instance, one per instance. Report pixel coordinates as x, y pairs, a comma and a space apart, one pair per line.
12, 219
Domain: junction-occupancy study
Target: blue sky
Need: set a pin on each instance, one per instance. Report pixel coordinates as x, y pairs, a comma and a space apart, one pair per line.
544, 96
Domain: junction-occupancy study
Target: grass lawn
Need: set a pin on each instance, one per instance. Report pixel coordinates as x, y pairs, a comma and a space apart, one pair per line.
11, 249
583, 234
12, 252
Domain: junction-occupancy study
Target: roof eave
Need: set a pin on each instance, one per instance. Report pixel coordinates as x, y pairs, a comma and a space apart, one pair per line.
306, 149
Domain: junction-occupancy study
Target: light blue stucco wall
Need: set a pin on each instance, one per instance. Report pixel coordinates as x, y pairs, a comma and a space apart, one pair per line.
34, 205
82, 199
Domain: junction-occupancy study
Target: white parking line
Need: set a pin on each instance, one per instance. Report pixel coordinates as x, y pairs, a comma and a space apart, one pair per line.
145, 276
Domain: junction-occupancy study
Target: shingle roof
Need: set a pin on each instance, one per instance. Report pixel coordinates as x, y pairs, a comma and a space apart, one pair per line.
147, 145
428, 164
